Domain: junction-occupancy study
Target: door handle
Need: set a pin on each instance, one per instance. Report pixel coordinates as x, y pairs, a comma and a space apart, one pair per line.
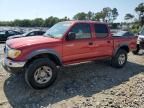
70, 45
108, 41
90, 43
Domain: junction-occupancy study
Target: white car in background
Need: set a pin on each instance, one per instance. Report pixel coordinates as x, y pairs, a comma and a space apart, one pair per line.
140, 41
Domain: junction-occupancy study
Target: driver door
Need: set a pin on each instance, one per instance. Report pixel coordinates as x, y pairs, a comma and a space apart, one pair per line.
81, 46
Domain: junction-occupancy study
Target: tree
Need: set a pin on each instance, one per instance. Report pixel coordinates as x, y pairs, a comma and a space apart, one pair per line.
107, 14
140, 10
99, 16
129, 16
90, 15
16, 22
6, 23
65, 19
80, 16
25, 23
38, 22
114, 14
51, 21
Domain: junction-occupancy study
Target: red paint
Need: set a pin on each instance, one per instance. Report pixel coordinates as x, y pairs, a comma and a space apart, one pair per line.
72, 51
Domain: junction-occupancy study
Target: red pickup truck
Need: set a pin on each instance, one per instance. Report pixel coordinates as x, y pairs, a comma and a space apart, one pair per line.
63, 44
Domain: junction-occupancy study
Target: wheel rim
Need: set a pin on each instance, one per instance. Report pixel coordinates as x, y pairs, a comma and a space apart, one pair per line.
43, 75
121, 59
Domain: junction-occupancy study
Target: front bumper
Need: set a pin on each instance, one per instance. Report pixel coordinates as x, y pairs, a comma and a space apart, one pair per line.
13, 66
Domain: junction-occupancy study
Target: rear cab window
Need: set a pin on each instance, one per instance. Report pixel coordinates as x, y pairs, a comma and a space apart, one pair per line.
101, 30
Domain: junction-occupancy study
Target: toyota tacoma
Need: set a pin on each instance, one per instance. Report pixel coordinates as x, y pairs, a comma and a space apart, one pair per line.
69, 42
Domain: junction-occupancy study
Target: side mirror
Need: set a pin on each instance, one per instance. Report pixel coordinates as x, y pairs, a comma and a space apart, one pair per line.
71, 36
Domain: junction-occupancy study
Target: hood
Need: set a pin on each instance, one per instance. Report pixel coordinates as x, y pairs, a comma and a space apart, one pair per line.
27, 41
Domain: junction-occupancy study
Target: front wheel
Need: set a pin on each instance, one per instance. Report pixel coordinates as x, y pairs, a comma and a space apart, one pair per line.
120, 59
41, 73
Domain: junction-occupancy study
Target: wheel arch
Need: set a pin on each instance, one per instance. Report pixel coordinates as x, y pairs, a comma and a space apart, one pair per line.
124, 47
45, 53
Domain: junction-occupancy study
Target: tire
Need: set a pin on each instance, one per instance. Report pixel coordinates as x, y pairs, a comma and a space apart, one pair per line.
137, 50
41, 73
120, 59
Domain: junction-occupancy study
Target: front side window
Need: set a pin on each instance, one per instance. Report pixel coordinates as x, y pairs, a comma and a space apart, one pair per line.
81, 30
101, 30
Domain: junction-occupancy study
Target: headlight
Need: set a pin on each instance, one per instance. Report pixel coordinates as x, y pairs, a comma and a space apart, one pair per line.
13, 53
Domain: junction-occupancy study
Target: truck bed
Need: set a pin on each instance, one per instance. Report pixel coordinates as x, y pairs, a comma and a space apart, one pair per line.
131, 41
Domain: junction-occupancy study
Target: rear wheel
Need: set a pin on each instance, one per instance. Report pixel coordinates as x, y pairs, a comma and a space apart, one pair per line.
120, 59
41, 73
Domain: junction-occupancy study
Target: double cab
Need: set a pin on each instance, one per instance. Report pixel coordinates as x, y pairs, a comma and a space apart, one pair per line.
69, 42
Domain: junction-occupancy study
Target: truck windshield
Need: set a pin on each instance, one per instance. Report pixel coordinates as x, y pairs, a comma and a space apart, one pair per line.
58, 30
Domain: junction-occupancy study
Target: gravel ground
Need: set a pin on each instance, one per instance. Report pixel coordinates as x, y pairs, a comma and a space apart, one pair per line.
89, 85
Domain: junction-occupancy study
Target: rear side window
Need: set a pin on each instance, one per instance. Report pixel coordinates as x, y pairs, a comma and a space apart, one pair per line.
101, 30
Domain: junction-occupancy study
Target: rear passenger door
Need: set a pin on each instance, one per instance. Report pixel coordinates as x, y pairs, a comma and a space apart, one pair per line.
102, 41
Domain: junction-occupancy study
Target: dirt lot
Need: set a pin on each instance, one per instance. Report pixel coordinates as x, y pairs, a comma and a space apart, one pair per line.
90, 85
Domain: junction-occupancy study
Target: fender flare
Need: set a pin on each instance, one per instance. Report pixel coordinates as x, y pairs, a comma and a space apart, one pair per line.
119, 47
45, 51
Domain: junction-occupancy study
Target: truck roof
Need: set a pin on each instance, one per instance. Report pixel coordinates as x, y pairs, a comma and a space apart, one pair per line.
85, 21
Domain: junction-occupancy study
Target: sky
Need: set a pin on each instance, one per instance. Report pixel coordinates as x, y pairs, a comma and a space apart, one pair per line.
30, 9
